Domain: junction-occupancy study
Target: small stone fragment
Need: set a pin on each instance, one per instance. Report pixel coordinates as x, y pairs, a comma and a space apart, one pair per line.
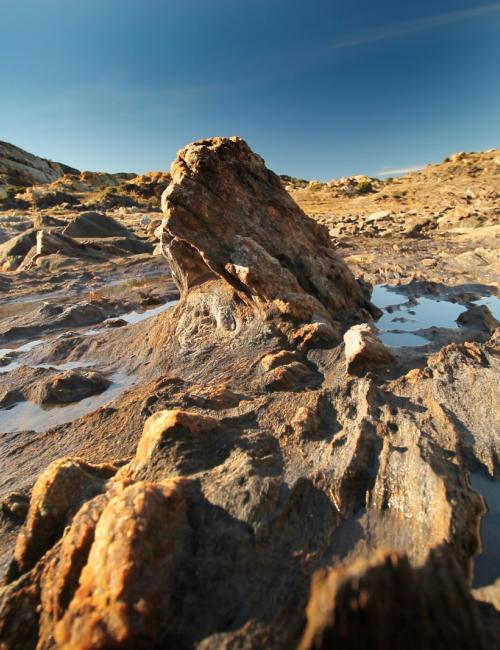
363, 349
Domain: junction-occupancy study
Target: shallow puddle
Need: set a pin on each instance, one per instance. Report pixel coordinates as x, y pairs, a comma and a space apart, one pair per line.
492, 303
487, 564
133, 317
26, 347
28, 416
402, 339
138, 316
404, 317
112, 289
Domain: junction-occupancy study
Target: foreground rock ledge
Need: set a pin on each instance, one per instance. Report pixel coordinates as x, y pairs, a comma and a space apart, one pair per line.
274, 499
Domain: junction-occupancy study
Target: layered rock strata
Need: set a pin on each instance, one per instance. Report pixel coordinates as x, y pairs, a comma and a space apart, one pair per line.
268, 480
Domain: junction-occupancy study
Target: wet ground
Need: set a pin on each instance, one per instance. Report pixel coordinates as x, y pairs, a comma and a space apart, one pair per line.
29, 416
411, 320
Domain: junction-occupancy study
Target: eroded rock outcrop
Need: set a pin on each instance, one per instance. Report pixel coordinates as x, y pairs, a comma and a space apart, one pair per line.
262, 459
228, 217
382, 602
18, 167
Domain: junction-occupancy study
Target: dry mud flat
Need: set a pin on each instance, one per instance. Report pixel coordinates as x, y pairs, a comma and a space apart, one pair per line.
297, 461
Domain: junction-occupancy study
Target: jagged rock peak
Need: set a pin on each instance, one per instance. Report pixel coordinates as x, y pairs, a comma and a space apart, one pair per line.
228, 217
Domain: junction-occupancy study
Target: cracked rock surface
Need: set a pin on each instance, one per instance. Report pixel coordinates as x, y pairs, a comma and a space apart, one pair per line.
251, 490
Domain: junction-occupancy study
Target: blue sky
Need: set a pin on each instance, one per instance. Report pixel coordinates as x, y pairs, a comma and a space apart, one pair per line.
320, 89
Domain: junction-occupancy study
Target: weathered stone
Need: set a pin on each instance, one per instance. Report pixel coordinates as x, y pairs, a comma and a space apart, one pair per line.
68, 386
479, 317
18, 167
95, 225
56, 496
382, 602
242, 226
363, 349
48, 242
14, 506
126, 587
382, 215
172, 442
17, 247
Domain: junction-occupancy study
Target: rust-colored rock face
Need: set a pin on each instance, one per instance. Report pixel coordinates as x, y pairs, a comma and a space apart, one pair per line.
281, 486
228, 216
381, 602
57, 495
125, 589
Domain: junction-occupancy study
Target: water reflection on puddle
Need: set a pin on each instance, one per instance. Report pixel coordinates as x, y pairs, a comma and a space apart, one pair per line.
130, 317
134, 317
404, 317
22, 348
487, 564
402, 339
492, 303
28, 416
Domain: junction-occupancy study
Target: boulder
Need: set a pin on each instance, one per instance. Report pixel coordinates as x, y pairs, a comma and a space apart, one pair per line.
57, 493
382, 602
116, 245
18, 246
49, 242
95, 225
479, 318
383, 215
68, 386
127, 588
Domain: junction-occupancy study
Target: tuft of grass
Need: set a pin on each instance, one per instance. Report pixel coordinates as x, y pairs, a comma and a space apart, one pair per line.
364, 187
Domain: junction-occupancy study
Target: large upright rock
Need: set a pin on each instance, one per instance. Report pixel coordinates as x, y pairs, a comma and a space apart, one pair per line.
227, 216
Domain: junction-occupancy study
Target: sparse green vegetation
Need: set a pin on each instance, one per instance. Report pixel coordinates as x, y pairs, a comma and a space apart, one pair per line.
364, 187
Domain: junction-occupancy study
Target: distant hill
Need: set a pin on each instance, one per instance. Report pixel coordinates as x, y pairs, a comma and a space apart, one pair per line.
21, 168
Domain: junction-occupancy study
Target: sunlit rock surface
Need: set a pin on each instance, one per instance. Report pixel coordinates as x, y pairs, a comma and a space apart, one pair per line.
262, 494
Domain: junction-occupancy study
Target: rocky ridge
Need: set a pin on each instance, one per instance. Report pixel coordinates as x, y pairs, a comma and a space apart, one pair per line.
268, 492
18, 167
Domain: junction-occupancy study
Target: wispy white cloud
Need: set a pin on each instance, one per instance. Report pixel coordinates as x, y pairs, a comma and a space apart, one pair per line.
398, 172
387, 32
174, 98
309, 54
